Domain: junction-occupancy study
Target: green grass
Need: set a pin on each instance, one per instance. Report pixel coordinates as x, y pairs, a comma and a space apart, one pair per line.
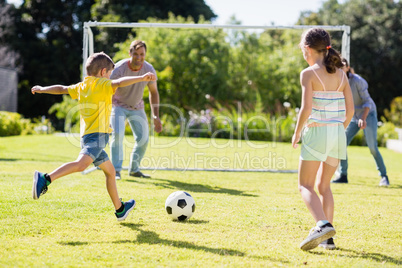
241, 219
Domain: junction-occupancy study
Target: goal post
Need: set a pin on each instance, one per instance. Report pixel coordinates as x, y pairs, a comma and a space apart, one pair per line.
88, 38
226, 149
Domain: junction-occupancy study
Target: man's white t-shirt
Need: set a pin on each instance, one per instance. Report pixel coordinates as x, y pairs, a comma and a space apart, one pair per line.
131, 97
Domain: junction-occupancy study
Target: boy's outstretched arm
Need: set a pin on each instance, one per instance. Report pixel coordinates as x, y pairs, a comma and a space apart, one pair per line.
129, 80
55, 89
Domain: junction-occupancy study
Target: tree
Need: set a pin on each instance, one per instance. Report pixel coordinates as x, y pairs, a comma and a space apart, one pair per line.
225, 65
376, 41
49, 41
196, 62
49, 38
8, 56
137, 10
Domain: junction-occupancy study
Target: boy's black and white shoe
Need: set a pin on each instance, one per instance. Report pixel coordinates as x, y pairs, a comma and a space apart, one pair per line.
118, 176
317, 235
328, 244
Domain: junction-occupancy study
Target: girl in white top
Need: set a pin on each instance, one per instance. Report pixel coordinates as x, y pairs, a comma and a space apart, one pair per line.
326, 110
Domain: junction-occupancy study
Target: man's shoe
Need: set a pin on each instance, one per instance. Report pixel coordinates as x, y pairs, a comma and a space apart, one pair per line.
39, 185
340, 179
139, 174
384, 181
128, 206
328, 244
317, 235
118, 176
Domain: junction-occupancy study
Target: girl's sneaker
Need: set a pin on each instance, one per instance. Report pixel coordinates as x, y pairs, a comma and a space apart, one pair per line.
317, 235
328, 244
128, 206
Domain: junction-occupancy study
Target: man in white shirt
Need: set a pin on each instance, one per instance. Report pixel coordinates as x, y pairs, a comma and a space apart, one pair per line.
128, 104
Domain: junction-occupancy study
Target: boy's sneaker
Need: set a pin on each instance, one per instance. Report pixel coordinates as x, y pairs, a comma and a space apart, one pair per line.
128, 206
328, 244
317, 235
39, 185
118, 176
384, 181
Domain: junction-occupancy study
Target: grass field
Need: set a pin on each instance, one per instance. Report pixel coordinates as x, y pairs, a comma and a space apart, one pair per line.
245, 219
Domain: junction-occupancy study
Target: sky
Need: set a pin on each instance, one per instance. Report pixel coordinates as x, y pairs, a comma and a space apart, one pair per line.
262, 12
257, 12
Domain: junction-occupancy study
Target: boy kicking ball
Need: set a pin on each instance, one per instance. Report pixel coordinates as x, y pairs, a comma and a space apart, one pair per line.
94, 96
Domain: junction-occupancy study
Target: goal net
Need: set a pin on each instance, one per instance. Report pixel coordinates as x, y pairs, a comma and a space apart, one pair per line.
229, 94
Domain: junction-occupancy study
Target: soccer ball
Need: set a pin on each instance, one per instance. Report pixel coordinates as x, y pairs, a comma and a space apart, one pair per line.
180, 205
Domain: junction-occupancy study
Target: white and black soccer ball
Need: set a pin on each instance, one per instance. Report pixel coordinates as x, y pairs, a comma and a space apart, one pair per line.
180, 205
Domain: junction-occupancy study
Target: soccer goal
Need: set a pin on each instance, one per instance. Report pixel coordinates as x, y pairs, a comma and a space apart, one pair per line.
229, 94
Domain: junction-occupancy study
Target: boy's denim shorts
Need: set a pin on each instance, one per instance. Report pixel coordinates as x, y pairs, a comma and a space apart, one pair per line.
93, 144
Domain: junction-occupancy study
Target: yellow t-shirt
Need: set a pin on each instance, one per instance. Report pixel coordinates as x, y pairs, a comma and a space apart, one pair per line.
94, 97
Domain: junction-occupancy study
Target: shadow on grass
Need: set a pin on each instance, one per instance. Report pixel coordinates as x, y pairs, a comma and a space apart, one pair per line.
9, 159
381, 258
152, 238
191, 187
190, 221
395, 186
26, 156
380, 190
73, 243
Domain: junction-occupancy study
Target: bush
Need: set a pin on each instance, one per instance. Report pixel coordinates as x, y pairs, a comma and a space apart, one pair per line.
171, 126
359, 139
68, 111
394, 115
10, 124
232, 123
385, 132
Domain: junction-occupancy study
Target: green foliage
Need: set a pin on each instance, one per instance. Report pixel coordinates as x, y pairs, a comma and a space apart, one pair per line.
53, 30
385, 132
394, 114
192, 61
226, 66
232, 122
12, 124
135, 11
375, 41
9, 56
67, 110
359, 139
171, 126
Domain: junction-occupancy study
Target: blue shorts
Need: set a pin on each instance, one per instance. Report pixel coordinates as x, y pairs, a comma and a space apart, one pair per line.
93, 144
322, 141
